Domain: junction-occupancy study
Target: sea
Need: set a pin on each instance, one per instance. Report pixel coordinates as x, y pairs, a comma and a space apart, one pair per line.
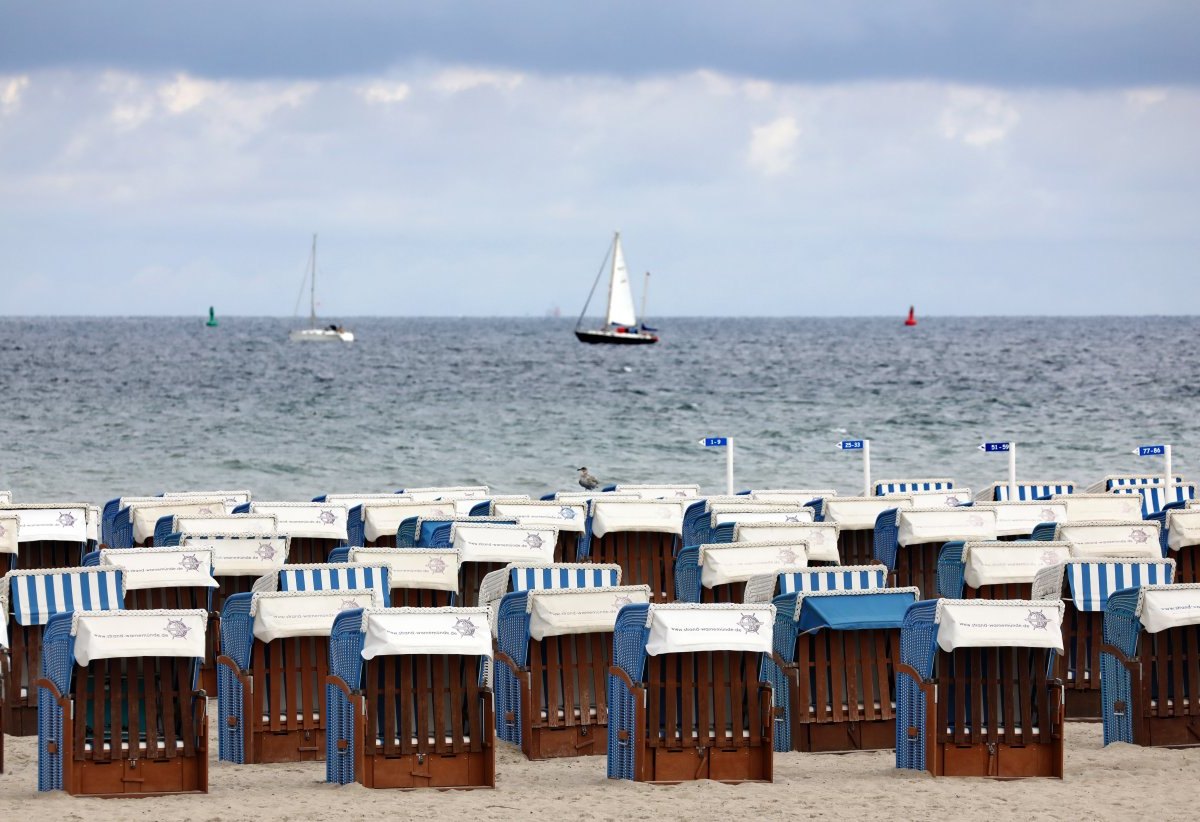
96, 408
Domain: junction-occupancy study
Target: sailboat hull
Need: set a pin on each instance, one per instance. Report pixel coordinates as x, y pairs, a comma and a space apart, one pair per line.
320, 335
616, 337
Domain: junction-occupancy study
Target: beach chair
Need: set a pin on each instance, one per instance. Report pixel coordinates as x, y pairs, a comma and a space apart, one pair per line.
177, 578
820, 538
723, 518
1026, 491
4, 664
426, 578
487, 547
686, 700
33, 597
53, 535
446, 493
975, 695
801, 496
171, 530
376, 522
886, 488
1180, 541
1156, 497
653, 492
1083, 585
855, 518
640, 536
313, 528
765, 588
833, 667
135, 522
438, 531
1115, 538
1019, 520
719, 572
995, 570
908, 542
1100, 507
1150, 685
407, 705
119, 711
272, 670
569, 519
1115, 481
554, 648
696, 527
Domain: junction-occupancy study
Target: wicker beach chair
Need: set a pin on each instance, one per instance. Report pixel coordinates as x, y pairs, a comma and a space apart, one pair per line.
1150, 685
34, 596
1019, 520
376, 522
908, 542
313, 528
765, 588
485, 547
407, 705
437, 531
1180, 540
175, 530
569, 519
1083, 585
1026, 491
820, 538
653, 492
686, 700
719, 572
641, 536
723, 518
1091, 507
51, 535
975, 695
833, 667
1114, 481
554, 648
137, 518
119, 711
855, 518
995, 570
1156, 497
696, 523
446, 493
886, 488
426, 578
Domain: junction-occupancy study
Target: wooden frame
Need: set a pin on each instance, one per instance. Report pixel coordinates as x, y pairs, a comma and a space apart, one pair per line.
1170, 658
310, 550
169, 719
646, 558
702, 715
857, 547
49, 553
1187, 563
24, 663
1079, 664
917, 565
438, 723
1003, 590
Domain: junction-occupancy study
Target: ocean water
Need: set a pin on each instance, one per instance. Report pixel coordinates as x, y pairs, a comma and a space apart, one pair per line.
92, 409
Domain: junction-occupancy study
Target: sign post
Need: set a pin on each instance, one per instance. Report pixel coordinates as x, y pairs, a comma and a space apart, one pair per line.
1011, 448
865, 447
1163, 451
727, 444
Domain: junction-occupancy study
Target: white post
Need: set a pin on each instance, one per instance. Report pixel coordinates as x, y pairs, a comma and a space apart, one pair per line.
1012, 472
729, 466
1170, 477
866, 468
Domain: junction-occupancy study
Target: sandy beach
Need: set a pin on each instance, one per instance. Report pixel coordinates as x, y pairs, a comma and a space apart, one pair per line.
1117, 782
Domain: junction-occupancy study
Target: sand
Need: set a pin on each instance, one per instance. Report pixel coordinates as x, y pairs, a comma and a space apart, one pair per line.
1118, 782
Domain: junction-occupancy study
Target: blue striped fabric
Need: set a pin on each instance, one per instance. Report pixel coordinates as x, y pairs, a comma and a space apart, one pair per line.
1092, 581
35, 597
527, 579
1154, 497
336, 577
885, 488
1111, 483
1031, 492
818, 579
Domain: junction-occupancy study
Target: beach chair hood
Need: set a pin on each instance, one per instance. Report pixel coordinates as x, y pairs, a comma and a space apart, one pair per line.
979, 623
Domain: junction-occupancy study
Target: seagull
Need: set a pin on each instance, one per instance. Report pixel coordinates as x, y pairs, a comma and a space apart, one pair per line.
587, 480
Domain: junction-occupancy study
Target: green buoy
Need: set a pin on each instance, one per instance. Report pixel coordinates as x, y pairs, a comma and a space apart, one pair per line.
212, 318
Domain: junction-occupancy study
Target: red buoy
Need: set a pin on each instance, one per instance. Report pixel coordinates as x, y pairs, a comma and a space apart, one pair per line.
912, 317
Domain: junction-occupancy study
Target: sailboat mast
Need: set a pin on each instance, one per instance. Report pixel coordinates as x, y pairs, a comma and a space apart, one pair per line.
645, 290
312, 284
612, 277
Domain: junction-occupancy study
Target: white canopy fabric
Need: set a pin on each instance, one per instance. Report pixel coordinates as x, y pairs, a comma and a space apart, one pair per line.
982, 623
382, 517
497, 542
820, 537
237, 555
660, 491
923, 525
999, 563
229, 525
563, 516
52, 521
5, 497
554, 612
946, 498
401, 631
429, 569
586, 497
659, 516
1134, 538
860, 513
122, 634
314, 520
679, 628
354, 500
739, 561
279, 614
145, 515
1168, 606
801, 496
231, 498
182, 567
772, 512
1183, 528
10, 525
1019, 518
448, 493
1097, 507
463, 507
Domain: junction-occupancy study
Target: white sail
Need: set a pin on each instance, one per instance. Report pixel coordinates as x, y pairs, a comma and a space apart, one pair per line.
620, 294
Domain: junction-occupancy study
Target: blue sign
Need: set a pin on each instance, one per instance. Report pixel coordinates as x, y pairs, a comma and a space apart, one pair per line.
714, 442
850, 445
995, 446
1151, 450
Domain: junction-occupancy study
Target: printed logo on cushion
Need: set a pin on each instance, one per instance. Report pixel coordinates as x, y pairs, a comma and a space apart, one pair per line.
1139, 535
66, 519
463, 626
1038, 620
327, 517
436, 565
177, 629
533, 541
566, 512
188, 562
750, 623
266, 551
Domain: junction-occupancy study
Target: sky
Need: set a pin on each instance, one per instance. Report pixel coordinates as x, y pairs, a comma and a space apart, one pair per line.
473, 158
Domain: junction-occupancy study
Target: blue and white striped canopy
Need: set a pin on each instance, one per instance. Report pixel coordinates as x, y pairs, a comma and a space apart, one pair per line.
527, 579
818, 579
35, 597
337, 577
907, 486
1031, 492
1092, 581
1154, 497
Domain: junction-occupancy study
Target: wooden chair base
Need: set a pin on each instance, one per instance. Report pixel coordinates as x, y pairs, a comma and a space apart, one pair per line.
857, 547
137, 777
670, 766
289, 746
20, 720
998, 760
1180, 732
843, 737
1083, 706
560, 743
467, 770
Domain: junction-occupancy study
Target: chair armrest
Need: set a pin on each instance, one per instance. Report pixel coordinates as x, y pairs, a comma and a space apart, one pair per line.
507, 660
619, 673
340, 684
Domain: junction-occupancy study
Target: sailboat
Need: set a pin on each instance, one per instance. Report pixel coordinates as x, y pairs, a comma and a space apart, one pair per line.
620, 320
330, 333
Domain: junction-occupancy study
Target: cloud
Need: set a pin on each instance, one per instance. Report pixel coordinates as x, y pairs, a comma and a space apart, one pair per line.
185, 93
456, 80
11, 89
1146, 97
385, 93
773, 146
978, 117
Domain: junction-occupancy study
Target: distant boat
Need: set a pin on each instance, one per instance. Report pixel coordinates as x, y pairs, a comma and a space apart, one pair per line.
912, 316
620, 320
330, 333
212, 318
